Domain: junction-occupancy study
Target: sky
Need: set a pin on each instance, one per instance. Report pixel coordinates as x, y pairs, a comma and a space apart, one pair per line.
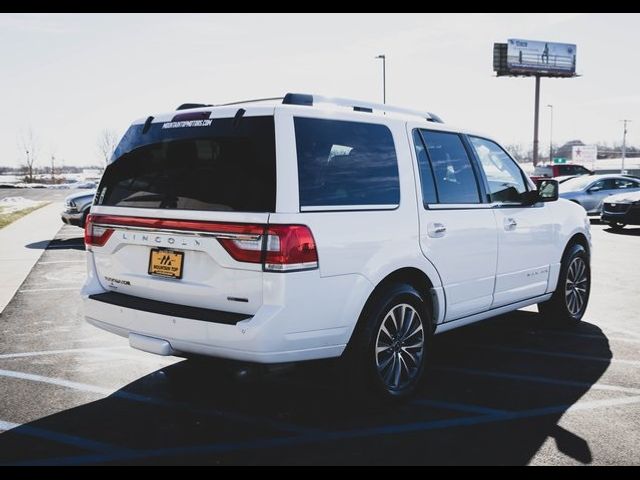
67, 77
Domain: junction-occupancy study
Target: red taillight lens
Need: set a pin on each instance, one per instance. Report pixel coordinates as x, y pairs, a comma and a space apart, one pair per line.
286, 248
95, 235
290, 247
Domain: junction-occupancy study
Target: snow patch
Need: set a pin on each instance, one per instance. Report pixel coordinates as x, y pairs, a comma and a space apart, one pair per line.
15, 204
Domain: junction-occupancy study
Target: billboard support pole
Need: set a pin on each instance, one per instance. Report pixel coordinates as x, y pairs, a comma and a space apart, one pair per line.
536, 115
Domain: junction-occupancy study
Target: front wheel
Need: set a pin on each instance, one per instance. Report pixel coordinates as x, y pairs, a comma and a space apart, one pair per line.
569, 302
388, 354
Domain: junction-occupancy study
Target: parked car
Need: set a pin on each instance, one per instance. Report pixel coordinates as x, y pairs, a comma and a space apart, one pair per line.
360, 233
621, 210
590, 191
76, 208
559, 170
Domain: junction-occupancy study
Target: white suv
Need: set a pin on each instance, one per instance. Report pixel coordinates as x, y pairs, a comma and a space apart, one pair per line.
311, 227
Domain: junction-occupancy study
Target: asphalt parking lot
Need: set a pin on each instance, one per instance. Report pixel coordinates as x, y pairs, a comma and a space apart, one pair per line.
506, 391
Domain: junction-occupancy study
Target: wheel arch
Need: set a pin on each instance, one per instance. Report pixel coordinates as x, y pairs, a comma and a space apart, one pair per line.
579, 239
415, 277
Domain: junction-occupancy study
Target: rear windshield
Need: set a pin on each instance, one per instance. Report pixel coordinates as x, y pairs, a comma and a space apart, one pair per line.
220, 165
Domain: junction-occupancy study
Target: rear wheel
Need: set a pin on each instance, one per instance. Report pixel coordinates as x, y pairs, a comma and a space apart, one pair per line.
616, 226
569, 302
387, 357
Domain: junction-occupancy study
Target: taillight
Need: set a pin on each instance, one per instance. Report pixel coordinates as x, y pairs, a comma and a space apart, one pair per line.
95, 235
279, 248
282, 248
289, 248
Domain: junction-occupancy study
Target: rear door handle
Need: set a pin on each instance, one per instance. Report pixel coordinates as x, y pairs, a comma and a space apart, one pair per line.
510, 223
435, 229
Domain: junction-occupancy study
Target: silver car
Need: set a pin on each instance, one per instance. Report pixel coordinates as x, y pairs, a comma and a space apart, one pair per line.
76, 207
590, 190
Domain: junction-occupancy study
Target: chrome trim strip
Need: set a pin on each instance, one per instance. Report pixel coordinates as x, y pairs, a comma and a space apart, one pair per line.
338, 208
194, 233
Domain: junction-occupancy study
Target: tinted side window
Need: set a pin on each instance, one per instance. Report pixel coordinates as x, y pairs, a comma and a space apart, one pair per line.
572, 170
624, 183
424, 167
345, 163
452, 170
506, 183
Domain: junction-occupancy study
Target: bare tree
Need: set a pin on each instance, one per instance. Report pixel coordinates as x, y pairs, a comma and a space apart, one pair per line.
107, 143
29, 144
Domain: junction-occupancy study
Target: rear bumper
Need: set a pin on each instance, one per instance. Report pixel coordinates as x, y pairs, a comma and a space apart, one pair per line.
295, 323
73, 218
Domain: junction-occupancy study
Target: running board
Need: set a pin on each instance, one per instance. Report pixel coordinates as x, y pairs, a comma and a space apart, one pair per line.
443, 327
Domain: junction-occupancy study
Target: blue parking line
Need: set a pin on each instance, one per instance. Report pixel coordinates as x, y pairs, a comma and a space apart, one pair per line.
134, 397
538, 379
66, 439
275, 442
462, 407
329, 436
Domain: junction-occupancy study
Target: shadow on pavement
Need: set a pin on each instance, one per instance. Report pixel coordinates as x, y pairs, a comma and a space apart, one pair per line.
67, 243
489, 398
633, 232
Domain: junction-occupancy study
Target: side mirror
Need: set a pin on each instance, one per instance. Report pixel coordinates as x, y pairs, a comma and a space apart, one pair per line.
595, 188
547, 190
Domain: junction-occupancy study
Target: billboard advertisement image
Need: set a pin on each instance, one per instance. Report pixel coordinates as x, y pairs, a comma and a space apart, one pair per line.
535, 57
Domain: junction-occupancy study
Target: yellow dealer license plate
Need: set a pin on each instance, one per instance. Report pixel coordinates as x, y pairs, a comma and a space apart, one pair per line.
166, 263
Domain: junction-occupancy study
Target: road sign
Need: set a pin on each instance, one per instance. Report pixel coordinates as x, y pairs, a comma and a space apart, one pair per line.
558, 160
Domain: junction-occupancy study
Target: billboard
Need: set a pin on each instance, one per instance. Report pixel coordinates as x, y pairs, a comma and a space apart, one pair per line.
527, 57
585, 155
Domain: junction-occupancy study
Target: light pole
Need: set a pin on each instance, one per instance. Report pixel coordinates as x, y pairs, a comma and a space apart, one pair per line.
384, 77
624, 143
551, 135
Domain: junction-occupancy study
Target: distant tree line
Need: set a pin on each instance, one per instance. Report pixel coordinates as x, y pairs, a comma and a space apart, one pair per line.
30, 151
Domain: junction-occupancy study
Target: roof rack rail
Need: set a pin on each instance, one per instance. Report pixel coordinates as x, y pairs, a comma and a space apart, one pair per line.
187, 106
267, 99
357, 105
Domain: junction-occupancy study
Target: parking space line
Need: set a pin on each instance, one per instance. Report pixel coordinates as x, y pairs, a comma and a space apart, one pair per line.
83, 387
462, 407
547, 353
395, 429
27, 290
66, 439
61, 261
57, 352
124, 356
4, 426
134, 397
539, 379
623, 330
581, 335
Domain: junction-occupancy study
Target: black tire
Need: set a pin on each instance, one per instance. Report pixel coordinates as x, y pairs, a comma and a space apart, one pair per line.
569, 302
616, 226
365, 368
